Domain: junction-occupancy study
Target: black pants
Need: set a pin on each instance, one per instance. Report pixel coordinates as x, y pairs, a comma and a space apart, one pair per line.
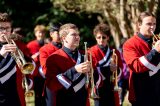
9, 100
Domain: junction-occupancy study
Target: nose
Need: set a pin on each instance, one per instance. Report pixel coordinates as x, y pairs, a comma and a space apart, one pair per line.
152, 26
77, 36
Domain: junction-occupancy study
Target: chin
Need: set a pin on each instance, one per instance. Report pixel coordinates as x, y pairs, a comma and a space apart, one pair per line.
76, 45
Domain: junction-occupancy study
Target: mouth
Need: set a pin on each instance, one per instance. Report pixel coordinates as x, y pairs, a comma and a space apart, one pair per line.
76, 44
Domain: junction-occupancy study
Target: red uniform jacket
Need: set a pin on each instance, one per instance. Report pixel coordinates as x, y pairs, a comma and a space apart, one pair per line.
105, 87
57, 64
135, 51
33, 47
46, 51
98, 54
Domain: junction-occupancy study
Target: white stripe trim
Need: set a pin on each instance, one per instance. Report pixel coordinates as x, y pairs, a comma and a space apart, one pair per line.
99, 71
146, 63
120, 74
99, 81
6, 66
79, 85
63, 81
8, 75
151, 73
41, 72
34, 64
105, 57
31, 84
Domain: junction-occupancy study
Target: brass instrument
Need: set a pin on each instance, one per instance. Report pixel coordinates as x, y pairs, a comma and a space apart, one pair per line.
26, 68
93, 94
117, 89
90, 80
86, 59
155, 38
114, 61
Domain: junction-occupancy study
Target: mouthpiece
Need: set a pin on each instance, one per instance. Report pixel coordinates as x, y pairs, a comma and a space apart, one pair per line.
152, 33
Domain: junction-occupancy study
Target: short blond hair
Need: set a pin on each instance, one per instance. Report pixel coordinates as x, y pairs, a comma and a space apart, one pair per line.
41, 28
63, 31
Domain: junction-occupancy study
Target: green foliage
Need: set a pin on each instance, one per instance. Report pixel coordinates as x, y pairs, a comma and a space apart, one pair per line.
28, 13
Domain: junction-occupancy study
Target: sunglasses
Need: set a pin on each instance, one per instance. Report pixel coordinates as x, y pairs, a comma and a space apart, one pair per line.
103, 37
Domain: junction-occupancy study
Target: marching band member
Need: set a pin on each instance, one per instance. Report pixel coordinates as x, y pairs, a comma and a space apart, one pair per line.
65, 74
11, 90
34, 46
101, 54
143, 61
46, 51
51, 47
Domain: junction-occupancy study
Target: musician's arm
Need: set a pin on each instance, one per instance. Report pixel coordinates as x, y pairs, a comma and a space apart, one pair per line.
137, 63
153, 57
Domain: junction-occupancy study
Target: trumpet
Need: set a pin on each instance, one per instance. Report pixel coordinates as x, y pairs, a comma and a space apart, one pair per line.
117, 89
25, 67
90, 80
155, 38
93, 94
86, 59
114, 60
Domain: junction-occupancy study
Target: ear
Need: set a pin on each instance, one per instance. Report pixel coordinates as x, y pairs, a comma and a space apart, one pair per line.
63, 38
139, 24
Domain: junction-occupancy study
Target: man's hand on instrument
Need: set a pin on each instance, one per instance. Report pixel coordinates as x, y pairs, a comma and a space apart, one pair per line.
83, 67
7, 48
157, 46
113, 67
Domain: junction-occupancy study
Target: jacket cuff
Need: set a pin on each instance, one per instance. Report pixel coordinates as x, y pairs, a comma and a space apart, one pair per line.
1, 57
153, 57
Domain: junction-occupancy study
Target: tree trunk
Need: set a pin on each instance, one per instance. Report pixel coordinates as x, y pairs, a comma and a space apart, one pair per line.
114, 27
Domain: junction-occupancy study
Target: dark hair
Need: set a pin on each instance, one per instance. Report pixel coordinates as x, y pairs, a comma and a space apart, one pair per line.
103, 28
141, 17
54, 27
4, 17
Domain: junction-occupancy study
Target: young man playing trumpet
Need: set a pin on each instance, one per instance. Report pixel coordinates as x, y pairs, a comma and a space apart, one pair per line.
143, 61
11, 91
65, 74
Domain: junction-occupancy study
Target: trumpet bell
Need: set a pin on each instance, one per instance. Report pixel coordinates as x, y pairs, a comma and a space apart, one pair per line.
27, 68
30, 98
